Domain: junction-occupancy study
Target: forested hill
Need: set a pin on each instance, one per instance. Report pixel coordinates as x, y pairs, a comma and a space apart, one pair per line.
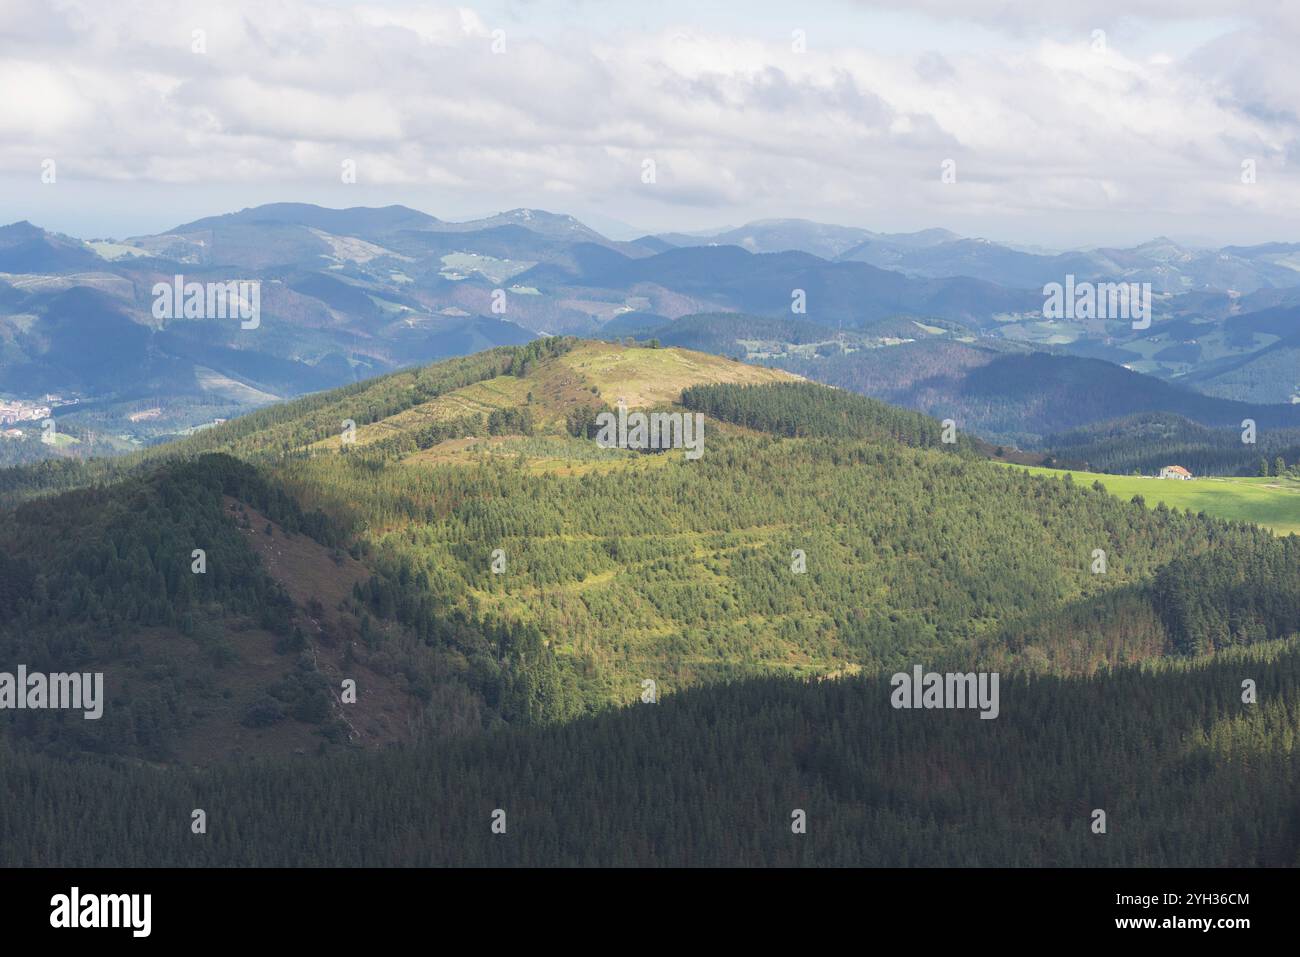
280, 429
566, 383
510, 597
1145, 443
465, 540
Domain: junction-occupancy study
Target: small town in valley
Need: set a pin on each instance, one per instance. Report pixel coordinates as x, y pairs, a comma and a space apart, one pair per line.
13, 411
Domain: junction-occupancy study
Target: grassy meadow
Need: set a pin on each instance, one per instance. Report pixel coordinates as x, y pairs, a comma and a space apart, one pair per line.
1271, 502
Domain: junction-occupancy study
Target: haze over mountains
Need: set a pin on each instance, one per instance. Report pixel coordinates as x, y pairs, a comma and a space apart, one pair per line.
937, 253
351, 293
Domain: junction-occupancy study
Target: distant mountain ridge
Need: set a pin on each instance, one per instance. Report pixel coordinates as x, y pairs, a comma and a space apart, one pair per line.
941, 253
1000, 391
354, 292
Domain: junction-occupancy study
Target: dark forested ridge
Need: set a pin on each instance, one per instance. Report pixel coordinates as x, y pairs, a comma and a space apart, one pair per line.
501, 588
805, 409
1186, 774
1145, 443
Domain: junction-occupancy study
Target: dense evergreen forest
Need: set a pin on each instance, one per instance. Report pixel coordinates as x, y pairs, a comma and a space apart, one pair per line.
504, 590
805, 409
1186, 774
1146, 443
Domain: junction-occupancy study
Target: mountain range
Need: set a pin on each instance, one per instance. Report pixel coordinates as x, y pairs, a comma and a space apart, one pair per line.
940, 253
346, 294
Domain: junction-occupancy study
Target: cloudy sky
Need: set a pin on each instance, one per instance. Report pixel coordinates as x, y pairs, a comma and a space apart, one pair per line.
1064, 127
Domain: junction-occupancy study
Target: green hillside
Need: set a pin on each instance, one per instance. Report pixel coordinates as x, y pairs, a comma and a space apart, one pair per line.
1271, 502
497, 582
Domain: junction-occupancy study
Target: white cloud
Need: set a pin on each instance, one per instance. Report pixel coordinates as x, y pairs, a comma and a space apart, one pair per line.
738, 123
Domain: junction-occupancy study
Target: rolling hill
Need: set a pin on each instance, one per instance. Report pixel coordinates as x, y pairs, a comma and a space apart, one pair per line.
424, 475
508, 593
348, 294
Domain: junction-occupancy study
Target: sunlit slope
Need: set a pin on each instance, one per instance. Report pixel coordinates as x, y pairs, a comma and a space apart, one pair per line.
560, 374
588, 374
509, 562
1273, 503
648, 377
810, 556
